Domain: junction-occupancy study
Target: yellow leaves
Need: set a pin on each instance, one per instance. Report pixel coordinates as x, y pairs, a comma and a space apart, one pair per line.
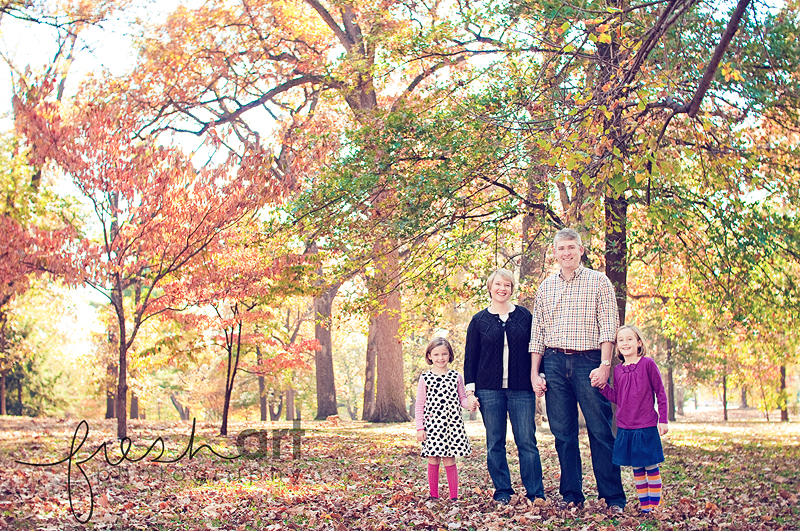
729, 72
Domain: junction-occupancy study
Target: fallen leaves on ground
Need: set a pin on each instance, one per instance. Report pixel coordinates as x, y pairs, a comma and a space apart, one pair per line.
359, 476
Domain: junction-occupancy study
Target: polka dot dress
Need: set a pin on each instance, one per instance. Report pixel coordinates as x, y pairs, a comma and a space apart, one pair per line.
445, 435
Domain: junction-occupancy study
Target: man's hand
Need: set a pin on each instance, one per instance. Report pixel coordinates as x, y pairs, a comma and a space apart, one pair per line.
663, 429
599, 376
539, 384
420, 435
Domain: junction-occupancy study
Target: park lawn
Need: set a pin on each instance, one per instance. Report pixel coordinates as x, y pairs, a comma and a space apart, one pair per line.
726, 476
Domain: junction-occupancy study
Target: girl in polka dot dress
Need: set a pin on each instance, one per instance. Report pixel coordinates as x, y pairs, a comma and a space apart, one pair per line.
440, 427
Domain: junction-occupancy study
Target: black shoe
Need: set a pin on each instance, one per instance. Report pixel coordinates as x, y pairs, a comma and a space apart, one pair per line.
502, 500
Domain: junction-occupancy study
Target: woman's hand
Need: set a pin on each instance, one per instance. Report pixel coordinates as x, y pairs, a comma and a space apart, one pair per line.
420, 435
663, 429
473, 403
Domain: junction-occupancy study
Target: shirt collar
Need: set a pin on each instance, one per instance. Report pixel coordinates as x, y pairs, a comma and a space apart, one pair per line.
489, 309
575, 275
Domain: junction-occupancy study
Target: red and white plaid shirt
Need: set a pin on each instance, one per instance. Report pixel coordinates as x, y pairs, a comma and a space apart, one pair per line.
576, 314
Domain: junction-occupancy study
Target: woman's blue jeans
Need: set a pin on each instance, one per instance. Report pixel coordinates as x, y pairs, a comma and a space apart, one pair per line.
520, 407
568, 385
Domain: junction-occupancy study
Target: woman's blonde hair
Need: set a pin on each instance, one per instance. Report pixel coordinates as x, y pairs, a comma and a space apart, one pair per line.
641, 351
505, 274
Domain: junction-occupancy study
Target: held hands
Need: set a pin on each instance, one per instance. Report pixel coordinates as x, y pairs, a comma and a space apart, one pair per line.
420, 435
472, 403
599, 376
539, 385
663, 429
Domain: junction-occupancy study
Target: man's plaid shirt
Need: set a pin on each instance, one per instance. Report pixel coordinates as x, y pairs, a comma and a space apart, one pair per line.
576, 314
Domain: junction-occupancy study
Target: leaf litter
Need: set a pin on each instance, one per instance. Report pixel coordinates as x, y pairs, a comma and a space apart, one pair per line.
360, 476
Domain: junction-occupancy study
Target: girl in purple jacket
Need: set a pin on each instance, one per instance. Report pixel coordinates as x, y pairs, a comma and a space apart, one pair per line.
637, 387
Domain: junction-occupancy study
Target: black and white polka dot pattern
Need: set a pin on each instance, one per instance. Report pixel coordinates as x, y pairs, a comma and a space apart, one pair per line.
445, 435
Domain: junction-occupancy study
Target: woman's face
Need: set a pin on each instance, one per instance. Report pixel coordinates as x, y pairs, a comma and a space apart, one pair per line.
500, 290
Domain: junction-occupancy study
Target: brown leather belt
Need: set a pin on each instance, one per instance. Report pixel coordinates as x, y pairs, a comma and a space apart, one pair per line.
571, 352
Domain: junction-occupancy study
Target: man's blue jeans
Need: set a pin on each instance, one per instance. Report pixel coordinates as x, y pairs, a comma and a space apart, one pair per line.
520, 407
568, 385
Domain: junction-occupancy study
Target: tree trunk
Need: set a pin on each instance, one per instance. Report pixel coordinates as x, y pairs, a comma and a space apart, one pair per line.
744, 405
262, 388
3, 410
110, 396
275, 414
369, 372
122, 386
290, 404
182, 411
390, 403
234, 353
725, 397
782, 395
134, 406
531, 268
670, 383
323, 357
680, 394
617, 249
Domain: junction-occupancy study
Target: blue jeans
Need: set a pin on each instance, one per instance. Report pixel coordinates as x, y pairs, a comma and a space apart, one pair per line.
520, 407
567, 386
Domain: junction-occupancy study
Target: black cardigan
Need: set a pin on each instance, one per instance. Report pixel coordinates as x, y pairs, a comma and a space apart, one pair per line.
483, 354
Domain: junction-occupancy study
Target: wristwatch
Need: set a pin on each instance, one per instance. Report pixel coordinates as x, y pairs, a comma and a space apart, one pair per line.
606, 362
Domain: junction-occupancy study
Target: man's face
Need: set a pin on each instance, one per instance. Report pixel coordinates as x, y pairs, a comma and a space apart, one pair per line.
568, 254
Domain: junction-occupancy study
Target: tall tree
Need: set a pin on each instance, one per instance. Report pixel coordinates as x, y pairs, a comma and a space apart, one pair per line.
316, 67
156, 213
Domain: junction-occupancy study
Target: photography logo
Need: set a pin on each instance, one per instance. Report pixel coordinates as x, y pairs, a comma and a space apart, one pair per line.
78, 440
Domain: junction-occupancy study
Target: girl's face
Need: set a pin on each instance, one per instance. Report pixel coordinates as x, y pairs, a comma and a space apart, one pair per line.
501, 289
440, 356
628, 342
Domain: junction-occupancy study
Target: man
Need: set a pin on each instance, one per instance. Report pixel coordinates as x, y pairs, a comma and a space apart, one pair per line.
574, 321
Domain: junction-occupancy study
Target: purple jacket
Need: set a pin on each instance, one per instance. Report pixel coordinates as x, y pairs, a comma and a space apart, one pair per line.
636, 389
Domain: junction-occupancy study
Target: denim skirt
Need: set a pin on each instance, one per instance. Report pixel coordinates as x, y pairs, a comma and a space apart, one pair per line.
637, 448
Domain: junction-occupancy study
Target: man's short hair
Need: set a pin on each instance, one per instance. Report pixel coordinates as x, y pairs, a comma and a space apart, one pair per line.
567, 234
505, 274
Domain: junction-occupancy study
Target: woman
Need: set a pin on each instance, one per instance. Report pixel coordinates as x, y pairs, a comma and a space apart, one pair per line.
497, 370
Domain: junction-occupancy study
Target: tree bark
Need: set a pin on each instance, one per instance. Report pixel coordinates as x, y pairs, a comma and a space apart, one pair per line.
134, 406
275, 414
531, 268
670, 383
744, 405
121, 408
110, 396
617, 249
182, 411
3, 410
783, 404
262, 388
369, 371
390, 403
323, 357
725, 397
290, 404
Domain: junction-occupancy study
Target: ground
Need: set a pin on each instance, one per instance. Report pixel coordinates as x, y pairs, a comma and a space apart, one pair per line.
743, 474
